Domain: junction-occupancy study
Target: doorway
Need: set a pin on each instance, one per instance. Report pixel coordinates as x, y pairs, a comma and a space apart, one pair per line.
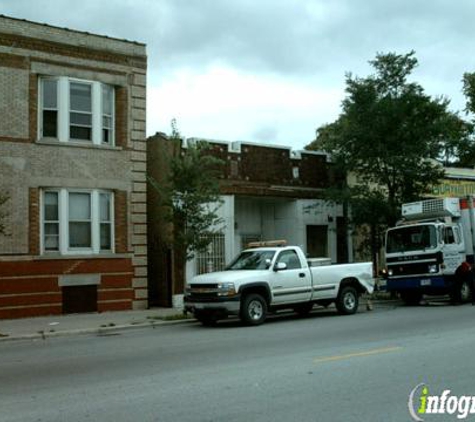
317, 241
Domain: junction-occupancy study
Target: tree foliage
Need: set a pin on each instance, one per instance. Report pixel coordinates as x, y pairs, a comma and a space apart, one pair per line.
191, 196
388, 137
466, 152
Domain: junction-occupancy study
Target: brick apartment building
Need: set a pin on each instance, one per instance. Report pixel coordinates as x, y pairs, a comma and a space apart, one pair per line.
72, 162
268, 192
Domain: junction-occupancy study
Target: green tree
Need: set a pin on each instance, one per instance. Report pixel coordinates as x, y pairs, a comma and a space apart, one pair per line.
466, 151
388, 137
191, 197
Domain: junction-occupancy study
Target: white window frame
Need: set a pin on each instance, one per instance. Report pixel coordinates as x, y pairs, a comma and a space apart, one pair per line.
91, 113
103, 114
63, 216
63, 110
41, 107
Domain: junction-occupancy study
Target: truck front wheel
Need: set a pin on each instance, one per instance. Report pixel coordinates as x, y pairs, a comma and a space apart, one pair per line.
253, 309
347, 301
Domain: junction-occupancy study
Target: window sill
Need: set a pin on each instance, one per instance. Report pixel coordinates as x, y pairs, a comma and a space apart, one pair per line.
77, 144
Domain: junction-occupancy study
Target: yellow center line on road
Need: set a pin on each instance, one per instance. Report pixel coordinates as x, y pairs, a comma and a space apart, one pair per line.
357, 355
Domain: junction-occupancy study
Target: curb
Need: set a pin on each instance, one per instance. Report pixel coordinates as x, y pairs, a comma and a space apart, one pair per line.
154, 323
44, 335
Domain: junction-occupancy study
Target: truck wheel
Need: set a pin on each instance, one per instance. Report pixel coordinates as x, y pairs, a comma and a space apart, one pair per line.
465, 292
347, 301
411, 298
462, 292
303, 309
253, 309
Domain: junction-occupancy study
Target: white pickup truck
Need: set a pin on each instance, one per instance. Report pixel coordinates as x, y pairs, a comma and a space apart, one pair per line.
266, 279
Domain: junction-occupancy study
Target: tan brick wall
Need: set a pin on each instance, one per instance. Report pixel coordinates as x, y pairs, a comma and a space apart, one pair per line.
71, 43
25, 165
33, 107
34, 221
27, 50
14, 90
121, 222
121, 125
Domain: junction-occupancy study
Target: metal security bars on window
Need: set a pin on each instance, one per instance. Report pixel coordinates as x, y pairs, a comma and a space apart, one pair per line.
213, 259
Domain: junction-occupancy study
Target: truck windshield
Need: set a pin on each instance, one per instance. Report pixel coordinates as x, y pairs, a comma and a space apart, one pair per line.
412, 238
252, 260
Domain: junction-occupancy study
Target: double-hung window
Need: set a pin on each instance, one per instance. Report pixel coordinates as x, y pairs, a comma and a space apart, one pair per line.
49, 108
73, 110
77, 221
107, 114
80, 111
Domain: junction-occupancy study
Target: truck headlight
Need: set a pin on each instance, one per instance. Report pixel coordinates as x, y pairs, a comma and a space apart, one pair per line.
226, 289
390, 272
433, 268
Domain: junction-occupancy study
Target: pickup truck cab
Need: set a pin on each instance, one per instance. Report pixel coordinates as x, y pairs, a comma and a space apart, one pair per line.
265, 279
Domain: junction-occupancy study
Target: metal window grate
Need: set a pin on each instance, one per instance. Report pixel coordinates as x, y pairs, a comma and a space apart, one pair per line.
213, 259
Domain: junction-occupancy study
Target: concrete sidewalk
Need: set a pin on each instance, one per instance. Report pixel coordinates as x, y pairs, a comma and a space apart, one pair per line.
92, 323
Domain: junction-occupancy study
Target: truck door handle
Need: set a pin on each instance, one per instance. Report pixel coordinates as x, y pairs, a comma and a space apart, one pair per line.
302, 275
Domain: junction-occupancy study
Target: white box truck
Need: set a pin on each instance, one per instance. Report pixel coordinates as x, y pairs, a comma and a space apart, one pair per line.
430, 251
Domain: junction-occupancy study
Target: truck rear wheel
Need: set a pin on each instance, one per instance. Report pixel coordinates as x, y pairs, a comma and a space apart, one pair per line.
253, 309
347, 301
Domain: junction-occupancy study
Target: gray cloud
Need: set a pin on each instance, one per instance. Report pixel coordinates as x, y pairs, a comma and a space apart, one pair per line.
307, 41
280, 36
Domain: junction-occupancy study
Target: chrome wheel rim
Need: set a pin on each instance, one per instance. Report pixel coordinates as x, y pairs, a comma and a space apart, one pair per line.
349, 301
464, 292
256, 310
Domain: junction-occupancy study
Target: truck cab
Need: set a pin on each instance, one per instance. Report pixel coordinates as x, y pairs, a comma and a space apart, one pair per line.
426, 253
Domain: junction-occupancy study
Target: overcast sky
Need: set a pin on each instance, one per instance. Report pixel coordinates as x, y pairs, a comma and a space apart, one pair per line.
269, 71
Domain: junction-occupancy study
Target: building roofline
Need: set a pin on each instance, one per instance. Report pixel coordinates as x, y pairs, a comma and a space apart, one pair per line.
236, 146
72, 30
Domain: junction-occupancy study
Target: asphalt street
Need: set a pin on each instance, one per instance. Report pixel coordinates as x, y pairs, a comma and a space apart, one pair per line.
321, 368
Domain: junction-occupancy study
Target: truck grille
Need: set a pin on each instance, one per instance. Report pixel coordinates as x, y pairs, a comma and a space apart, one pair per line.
202, 292
409, 269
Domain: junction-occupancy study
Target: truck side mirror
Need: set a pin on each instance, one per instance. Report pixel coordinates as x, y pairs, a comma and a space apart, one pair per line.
280, 266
